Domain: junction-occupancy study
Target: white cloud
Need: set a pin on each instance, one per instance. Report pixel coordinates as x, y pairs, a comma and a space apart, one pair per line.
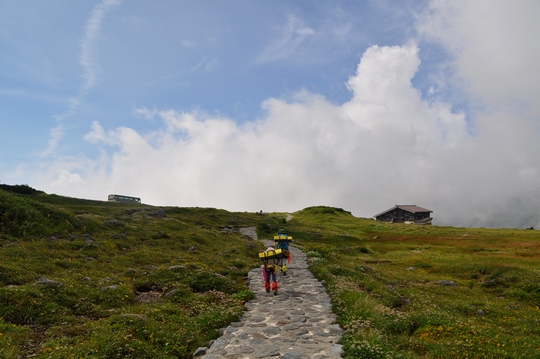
145, 113
292, 36
304, 152
386, 144
55, 135
88, 60
89, 52
67, 178
205, 66
494, 44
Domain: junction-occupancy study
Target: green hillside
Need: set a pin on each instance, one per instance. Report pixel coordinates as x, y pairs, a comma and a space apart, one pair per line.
93, 279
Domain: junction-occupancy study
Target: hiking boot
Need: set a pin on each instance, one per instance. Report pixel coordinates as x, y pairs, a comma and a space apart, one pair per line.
275, 292
268, 291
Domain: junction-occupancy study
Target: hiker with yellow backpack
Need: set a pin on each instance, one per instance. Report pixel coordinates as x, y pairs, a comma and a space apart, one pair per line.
270, 258
281, 241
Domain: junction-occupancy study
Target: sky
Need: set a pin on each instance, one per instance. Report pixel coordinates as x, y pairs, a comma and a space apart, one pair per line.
278, 105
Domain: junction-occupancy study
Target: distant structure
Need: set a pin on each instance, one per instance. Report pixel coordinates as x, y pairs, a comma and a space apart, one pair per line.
121, 198
411, 214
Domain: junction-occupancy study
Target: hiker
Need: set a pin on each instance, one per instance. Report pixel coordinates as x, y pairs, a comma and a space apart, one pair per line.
270, 269
282, 242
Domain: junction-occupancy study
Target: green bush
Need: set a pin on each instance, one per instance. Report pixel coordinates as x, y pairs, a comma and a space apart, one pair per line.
11, 275
244, 295
19, 188
365, 349
22, 217
205, 281
29, 305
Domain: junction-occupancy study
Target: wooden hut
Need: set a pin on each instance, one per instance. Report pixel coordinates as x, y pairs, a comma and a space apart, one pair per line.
407, 213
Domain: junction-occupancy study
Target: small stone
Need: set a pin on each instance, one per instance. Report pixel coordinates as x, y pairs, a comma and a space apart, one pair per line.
200, 352
170, 293
110, 287
160, 213
47, 282
447, 283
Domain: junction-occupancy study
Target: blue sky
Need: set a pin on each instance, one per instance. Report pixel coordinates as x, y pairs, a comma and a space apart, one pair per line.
276, 106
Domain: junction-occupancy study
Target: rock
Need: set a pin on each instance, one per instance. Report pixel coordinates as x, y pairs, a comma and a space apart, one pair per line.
337, 349
249, 233
160, 213
177, 267
138, 316
480, 312
170, 293
110, 287
226, 229
200, 352
411, 268
114, 223
294, 355
90, 244
47, 282
447, 283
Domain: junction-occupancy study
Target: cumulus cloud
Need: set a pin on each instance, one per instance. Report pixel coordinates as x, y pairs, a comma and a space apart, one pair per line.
364, 155
388, 144
494, 46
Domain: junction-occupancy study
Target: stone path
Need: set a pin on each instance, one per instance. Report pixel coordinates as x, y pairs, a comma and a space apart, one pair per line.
295, 324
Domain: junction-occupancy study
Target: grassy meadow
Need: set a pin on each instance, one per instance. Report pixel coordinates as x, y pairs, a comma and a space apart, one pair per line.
92, 279
405, 291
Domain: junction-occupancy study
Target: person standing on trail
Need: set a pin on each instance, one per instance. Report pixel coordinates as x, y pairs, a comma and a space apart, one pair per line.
282, 241
270, 269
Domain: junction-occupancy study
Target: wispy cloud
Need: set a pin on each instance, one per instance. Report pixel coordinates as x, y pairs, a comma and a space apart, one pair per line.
89, 53
293, 34
205, 66
88, 59
143, 112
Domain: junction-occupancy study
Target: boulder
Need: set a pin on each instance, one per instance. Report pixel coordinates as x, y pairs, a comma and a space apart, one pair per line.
47, 282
